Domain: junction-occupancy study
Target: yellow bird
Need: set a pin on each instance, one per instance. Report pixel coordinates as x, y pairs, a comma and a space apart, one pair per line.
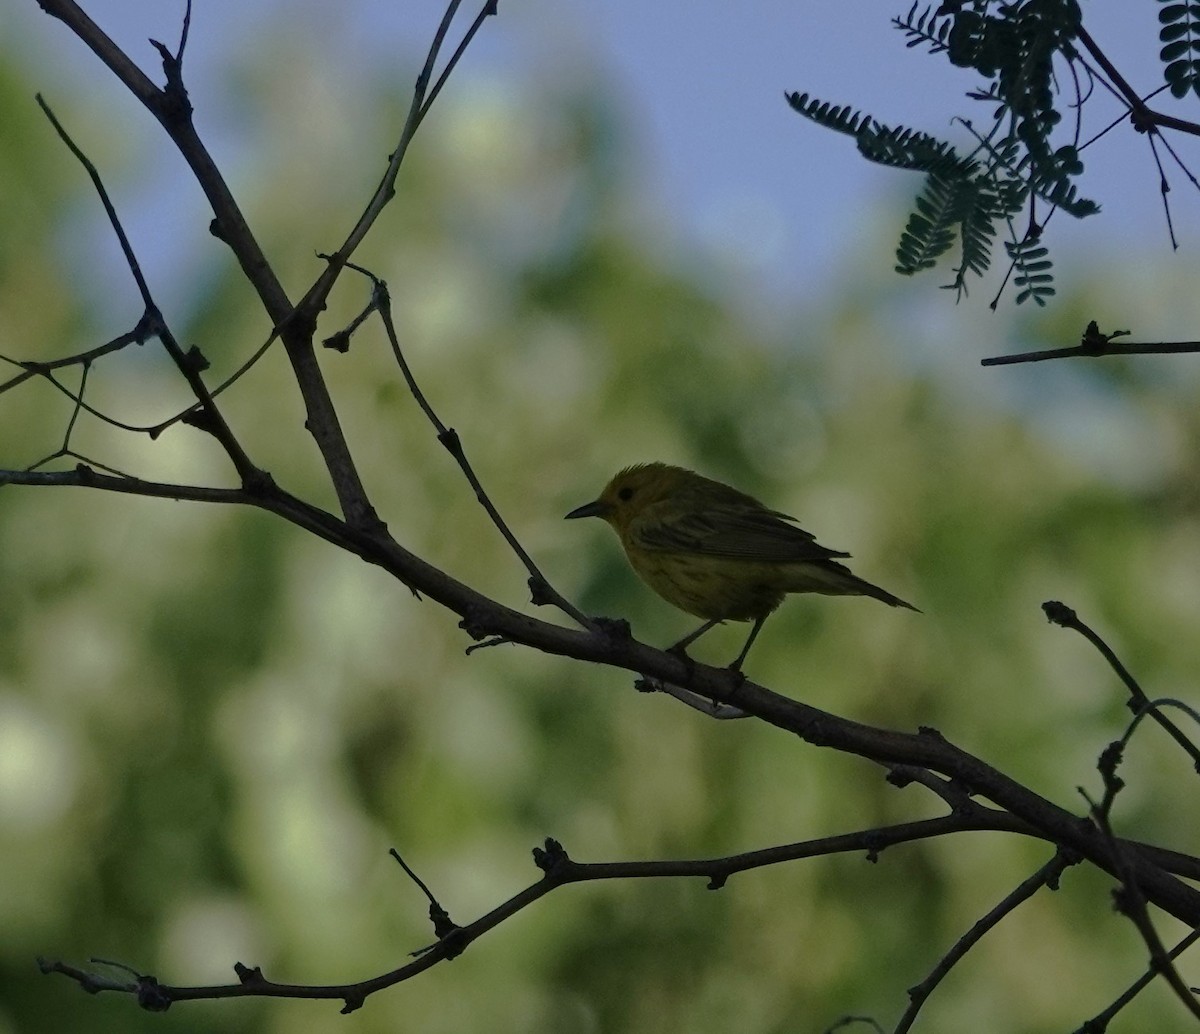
716, 552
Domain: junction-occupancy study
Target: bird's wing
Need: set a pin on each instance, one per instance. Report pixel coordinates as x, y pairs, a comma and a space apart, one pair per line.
737, 532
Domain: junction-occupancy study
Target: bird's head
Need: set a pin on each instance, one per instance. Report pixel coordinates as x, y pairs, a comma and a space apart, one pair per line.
632, 490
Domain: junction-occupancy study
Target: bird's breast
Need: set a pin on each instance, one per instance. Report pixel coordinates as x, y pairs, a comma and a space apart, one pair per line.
709, 586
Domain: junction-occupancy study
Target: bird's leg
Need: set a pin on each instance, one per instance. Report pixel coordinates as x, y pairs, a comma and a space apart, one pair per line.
737, 665
680, 647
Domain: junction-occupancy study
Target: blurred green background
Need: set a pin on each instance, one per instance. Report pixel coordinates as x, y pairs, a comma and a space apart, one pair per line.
213, 727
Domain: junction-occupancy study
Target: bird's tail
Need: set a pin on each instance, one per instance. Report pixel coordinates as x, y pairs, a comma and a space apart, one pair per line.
867, 589
838, 580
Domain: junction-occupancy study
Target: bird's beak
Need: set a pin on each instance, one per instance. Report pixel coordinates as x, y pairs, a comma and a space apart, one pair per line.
597, 508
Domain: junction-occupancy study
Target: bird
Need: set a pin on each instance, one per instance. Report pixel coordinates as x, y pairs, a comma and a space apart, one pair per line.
715, 552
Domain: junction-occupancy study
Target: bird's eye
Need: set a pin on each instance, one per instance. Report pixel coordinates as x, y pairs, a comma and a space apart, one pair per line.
625, 494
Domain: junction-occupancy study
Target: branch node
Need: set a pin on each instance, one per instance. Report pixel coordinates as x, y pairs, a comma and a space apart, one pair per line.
1110, 759
195, 360
449, 438
474, 622
201, 419
540, 593
258, 483
552, 859
718, 881
151, 996
175, 102
1060, 614
496, 640
248, 975
338, 342
616, 629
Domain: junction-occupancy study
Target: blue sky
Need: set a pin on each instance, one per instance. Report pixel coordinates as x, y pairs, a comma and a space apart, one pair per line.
701, 85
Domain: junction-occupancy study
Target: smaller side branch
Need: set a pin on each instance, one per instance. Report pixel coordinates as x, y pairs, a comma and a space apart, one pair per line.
558, 870
1100, 1022
1093, 344
314, 300
1046, 876
187, 364
1142, 115
1062, 615
541, 590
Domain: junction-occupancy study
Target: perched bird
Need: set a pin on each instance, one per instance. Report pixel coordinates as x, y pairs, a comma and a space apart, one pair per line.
716, 552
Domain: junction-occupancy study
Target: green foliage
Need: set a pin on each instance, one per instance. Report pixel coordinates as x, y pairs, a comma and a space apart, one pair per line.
1032, 264
1014, 46
213, 726
1180, 37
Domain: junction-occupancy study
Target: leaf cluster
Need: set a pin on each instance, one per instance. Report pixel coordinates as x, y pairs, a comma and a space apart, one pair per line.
967, 197
1180, 37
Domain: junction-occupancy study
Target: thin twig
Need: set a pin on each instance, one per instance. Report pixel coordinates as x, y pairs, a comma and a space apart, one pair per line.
1141, 113
138, 336
541, 589
1100, 1022
559, 870
315, 298
1093, 344
1128, 898
214, 421
1062, 615
1046, 876
172, 109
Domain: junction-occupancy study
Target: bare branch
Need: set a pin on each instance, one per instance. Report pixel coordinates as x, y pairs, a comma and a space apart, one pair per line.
1094, 344
314, 301
1101, 1020
173, 110
1139, 703
1046, 876
541, 590
152, 319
